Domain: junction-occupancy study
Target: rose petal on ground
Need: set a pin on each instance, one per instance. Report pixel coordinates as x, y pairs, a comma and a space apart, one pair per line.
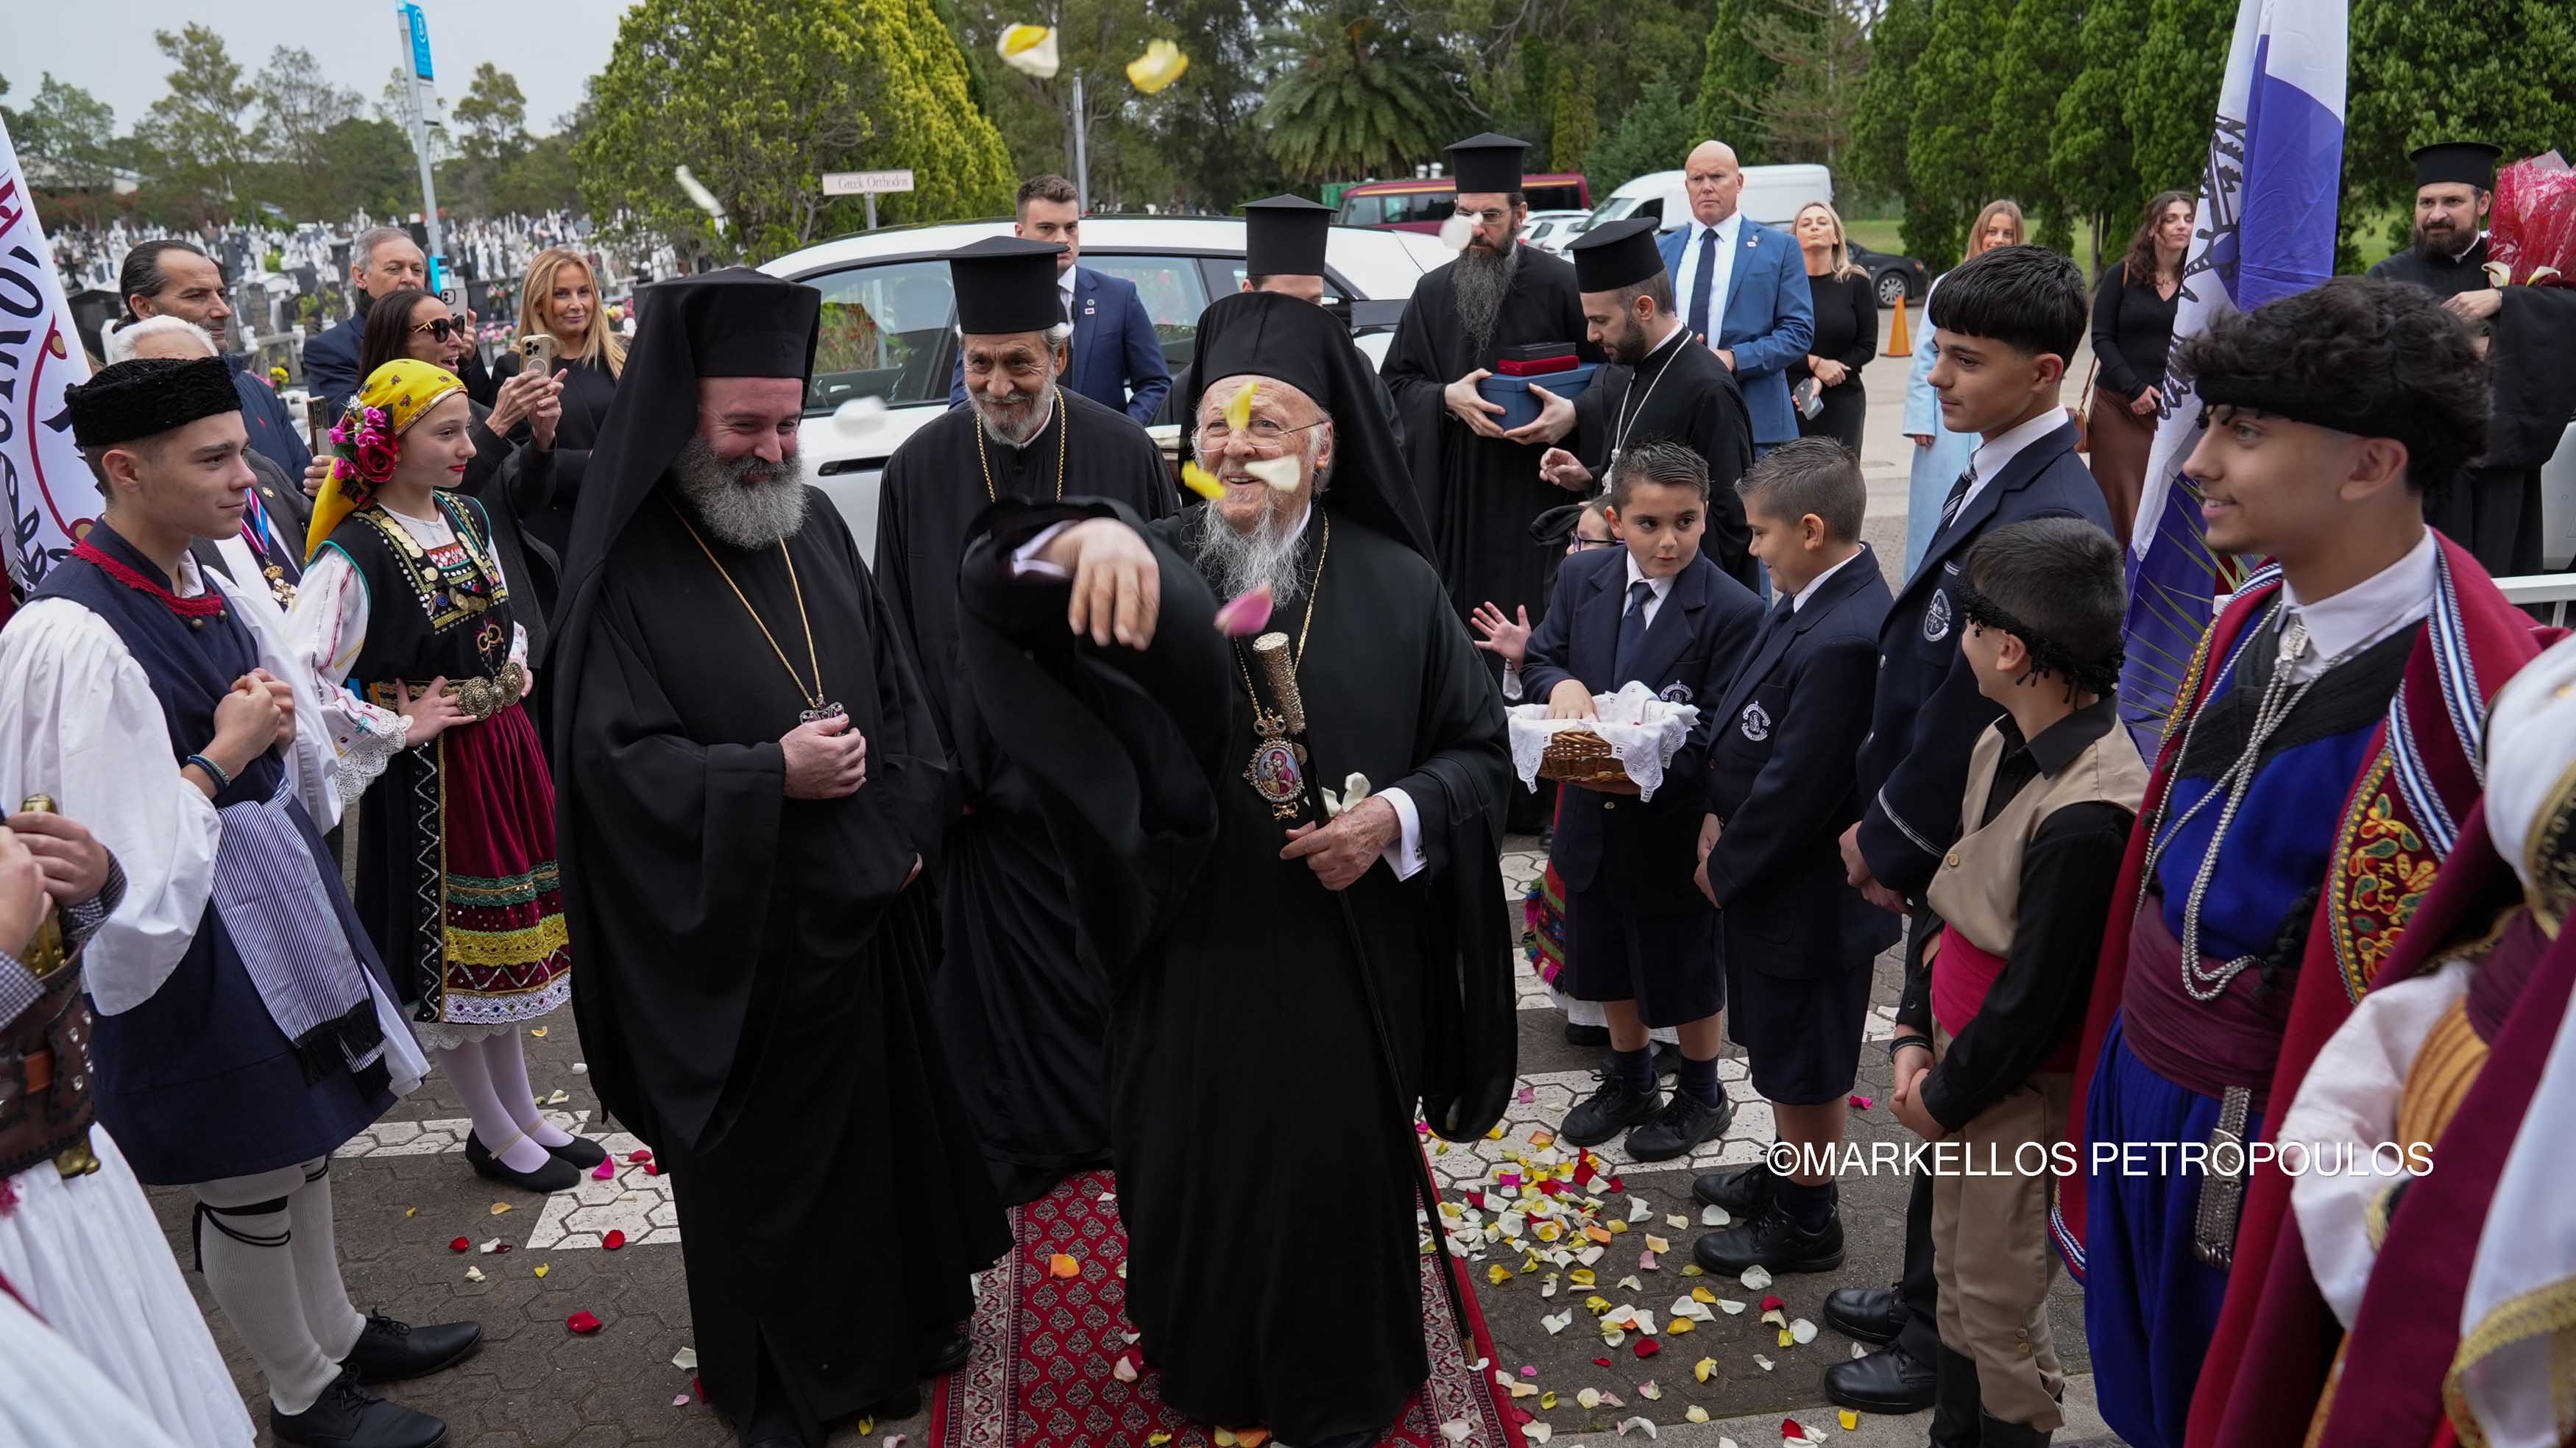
606, 1169
1647, 1347
686, 1359
1646, 1262
614, 1240
641, 1153
1679, 1324
473, 1274
499, 1207
540, 1269
539, 1032
1756, 1277
1772, 1303
558, 1098
583, 1324
1730, 1307
1714, 1217
1456, 1430
1775, 1316
1784, 1337
1547, 1400
1526, 1095
1861, 1103
461, 1244
1649, 1390
1558, 1323
1802, 1330
1638, 1211
1658, 1244
411, 1211
1588, 1397
1677, 1222
1061, 1265
1704, 1369
1694, 1414
1765, 1362
581, 1068
1124, 1370
1850, 1420
679, 1400
1642, 1425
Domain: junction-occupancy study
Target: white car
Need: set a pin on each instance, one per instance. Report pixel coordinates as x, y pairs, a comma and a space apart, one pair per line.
1554, 231
889, 343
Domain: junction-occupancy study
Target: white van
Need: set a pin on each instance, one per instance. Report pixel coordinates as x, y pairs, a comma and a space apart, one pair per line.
1772, 195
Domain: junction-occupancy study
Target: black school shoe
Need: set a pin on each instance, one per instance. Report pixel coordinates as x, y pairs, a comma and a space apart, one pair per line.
1608, 1111
1591, 1037
1774, 1242
1886, 1381
1870, 1314
557, 1175
1684, 1123
390, 1351
348, 1416
1746, 1191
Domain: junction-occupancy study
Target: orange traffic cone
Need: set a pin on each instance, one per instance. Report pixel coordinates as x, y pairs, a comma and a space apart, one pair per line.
1900, 342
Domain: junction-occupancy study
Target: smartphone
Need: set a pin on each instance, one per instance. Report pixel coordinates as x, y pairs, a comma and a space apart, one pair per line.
540, 352
317, 422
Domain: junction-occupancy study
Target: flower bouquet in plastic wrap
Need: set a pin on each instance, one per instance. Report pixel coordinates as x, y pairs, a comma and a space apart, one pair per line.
2531, 236
1632, 736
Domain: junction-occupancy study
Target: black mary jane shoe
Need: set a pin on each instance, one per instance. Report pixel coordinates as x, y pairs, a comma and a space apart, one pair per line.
557, 1175
390, 1351
581, 1151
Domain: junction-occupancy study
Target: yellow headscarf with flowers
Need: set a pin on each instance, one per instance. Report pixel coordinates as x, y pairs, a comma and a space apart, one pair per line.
367, 440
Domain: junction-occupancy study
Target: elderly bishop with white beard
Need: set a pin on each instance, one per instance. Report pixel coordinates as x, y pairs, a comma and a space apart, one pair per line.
751, 782
1017, 1003
1279, 991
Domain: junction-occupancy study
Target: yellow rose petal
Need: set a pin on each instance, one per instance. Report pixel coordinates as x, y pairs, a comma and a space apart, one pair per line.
1850, 1421
1202, 482
1678, 1324
1030, 49
1704, 1369
540, 1269
1238, 415
1160, 65
1694, 1414
1498, 1274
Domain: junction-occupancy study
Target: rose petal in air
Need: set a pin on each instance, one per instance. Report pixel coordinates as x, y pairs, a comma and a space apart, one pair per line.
1280, 472
1204, 483
1245, 614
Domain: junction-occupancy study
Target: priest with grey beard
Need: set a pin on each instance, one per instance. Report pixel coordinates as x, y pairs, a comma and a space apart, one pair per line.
1275, 985
1017, 999
1500, 300
748, 784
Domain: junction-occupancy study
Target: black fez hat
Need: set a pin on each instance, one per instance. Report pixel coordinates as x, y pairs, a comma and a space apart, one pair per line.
2456, 163
1006, 284
1284, 237
1486, 163
148, 396
1615, 255
744, 323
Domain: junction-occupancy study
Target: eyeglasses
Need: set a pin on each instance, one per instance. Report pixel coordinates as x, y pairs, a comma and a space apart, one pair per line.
1264, 438
1581, 543
440, 327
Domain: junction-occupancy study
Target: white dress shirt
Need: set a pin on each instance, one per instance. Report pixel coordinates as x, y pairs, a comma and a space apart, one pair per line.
1654, 600
1993, 456
1798, 600
1730, 234
2367, 612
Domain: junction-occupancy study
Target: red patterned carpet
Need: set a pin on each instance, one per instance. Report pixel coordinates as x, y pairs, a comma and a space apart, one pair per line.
1041, 1372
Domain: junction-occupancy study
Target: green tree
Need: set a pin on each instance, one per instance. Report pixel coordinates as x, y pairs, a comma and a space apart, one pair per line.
200, 130
371, 167
1885, 111
1818, 53
493, 122
2493, 73
1652, 135
1945, 156
1352, 96
760, 97
2172, 99
69, 136
299, 109
2091, 162
2042, 52
1574, 117
1737, 74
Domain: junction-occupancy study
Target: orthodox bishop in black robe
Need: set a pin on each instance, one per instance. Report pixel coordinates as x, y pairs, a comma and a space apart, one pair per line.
1275, 996
1658, 386
1018, 1005
1481, 493
761, 1010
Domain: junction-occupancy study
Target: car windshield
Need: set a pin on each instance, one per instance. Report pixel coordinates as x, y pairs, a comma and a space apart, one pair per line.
884, 334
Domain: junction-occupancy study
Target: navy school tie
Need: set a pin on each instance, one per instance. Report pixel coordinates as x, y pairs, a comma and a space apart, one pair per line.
1703, 278
1958, 496
1632, 634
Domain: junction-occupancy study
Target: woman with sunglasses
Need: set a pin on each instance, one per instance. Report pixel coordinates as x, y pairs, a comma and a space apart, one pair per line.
503, 476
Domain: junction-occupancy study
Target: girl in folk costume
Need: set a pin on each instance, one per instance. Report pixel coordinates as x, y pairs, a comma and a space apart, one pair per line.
406, 620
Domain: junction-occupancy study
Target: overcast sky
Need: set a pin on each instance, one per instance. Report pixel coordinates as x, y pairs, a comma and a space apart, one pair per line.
106, 46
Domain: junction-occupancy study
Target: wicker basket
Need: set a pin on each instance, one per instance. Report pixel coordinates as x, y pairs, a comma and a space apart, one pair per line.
1579, 756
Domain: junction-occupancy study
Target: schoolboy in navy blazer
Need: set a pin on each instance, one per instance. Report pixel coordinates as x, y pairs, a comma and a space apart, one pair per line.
2006, 322
1642, 939
1796, 938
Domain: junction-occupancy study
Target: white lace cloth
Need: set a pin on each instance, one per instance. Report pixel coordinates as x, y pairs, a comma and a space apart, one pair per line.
1643, 732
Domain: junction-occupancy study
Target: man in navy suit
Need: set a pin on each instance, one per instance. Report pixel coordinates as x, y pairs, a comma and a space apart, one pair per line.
383, 260
1641, 938
166, 277
1796, 938
2005, 323
1117, 360
1741, 287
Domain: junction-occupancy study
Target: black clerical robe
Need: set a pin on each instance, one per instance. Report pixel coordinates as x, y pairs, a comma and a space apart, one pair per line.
759, 1006
1020, 1010
1241, 1036
2494, 509
1678, 393
1480, 493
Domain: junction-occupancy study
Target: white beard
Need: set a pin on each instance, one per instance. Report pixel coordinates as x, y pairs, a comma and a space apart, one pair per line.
1236, 562
747, 503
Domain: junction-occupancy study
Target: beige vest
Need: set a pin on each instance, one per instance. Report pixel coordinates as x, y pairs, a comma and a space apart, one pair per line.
1977, 890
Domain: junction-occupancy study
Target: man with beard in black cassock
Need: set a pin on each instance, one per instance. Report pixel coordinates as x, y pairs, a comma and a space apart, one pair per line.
1659, 386
751, 782
1281, 992
2494, 509
1017, 1002
1480, 484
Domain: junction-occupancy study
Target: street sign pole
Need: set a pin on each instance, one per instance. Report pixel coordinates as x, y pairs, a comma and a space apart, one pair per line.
872, 211
1081, 153
413, 27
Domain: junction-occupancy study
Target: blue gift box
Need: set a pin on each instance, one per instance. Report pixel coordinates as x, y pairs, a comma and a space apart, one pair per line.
1512, 394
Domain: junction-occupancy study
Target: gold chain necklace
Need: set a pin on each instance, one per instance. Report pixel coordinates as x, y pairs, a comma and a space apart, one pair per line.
1277, 771
816, 707
1314, 590
1063, 425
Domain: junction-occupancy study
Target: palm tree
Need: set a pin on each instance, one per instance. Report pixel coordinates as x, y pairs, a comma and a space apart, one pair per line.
1352, 96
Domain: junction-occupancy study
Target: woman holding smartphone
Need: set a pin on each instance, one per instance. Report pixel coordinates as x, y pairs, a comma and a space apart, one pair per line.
564, 333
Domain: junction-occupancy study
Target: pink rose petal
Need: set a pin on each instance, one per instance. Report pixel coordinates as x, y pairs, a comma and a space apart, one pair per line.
607, 1168
1243, 615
